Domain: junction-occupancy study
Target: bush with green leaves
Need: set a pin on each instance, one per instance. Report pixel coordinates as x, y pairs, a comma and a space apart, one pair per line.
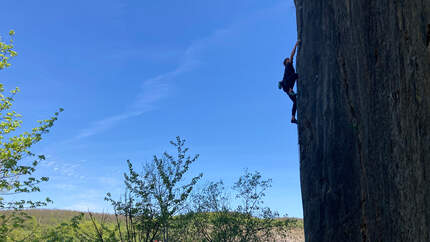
156, 205
215, 220
156, 195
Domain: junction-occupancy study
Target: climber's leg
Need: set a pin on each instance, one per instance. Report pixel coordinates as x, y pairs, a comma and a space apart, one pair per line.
290, 83
293, 112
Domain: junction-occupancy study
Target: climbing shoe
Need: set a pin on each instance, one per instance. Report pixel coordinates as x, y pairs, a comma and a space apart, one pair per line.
292, 93
294, 121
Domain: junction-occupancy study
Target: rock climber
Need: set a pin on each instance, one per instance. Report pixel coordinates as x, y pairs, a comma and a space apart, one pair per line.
287, 83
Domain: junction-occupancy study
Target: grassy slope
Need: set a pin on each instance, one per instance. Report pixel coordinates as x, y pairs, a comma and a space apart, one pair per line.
54, 217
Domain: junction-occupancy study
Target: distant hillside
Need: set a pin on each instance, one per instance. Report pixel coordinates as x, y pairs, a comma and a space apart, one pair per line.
46, 219
56, 216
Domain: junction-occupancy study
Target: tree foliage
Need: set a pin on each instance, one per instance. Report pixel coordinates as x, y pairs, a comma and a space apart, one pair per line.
156, 195
17, 162
215, 220
6, 51
156, 205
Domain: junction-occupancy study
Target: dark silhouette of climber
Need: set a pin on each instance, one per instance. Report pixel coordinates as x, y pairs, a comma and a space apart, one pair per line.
287, 83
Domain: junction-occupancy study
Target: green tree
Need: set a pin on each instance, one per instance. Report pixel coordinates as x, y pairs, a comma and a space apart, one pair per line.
213, 217
6, 51
17, 162
135, 213
156, 195
257, 221
215, 220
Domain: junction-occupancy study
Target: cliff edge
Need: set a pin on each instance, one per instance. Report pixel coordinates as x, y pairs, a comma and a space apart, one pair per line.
364, 119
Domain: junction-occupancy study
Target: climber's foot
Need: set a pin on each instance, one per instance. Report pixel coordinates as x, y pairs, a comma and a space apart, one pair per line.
292, 93
294, 121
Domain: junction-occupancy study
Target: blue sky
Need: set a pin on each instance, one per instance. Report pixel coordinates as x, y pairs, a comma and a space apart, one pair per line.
132, 75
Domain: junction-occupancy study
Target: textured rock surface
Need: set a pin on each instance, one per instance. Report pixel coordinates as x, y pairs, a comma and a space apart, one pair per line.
364, 112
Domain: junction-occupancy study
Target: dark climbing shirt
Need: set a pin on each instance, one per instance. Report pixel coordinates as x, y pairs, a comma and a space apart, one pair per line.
290, 76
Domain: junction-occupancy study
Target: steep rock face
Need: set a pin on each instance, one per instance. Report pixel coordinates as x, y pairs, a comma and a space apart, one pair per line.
364, 119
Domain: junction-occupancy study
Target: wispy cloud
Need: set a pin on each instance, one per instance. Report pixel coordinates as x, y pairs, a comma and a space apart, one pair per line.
47, 163
154, 89
109, 181
104, 124
146, 54
65, 169
84, 206
66, 187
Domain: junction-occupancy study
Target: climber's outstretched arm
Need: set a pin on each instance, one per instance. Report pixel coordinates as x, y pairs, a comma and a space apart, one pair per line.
294, 51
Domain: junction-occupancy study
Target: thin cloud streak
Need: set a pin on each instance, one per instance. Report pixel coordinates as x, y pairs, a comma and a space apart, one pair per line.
152, 91
104, 124
156, 88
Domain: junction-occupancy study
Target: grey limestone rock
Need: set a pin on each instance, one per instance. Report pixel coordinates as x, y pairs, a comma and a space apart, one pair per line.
364, 119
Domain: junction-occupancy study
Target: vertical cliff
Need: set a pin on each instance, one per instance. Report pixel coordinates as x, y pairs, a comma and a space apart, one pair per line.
364, 119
